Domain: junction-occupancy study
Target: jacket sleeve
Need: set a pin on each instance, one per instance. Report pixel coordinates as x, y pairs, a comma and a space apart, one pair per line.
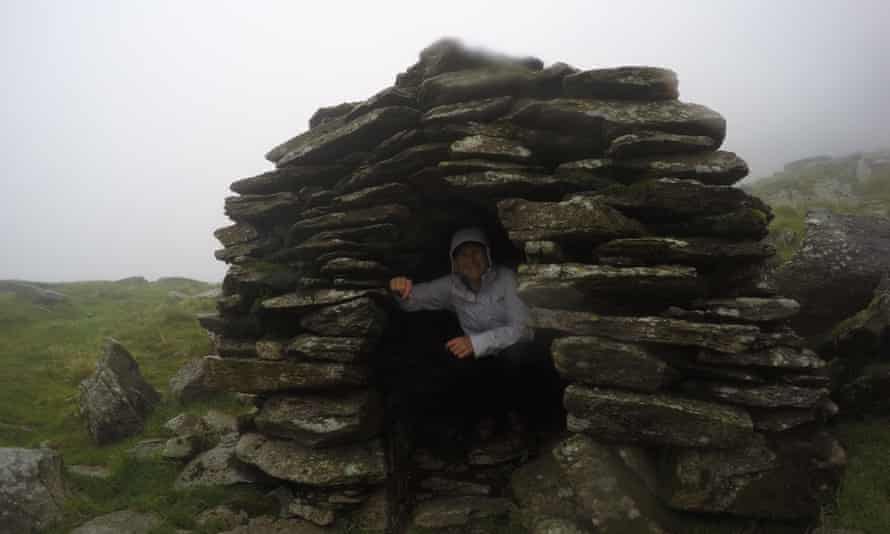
434, 295
518, 327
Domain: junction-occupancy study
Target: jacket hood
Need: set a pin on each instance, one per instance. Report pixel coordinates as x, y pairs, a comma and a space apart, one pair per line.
468, 235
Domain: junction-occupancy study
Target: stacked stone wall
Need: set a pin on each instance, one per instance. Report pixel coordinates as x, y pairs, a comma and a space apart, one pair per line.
639, 258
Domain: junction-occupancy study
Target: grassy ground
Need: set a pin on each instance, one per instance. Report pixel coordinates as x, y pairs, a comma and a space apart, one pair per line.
45, 351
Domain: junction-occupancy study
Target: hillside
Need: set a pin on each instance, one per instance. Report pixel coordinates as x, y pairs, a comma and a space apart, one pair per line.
857, 183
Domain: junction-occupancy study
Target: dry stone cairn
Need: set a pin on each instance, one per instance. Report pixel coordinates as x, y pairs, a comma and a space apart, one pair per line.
640, 260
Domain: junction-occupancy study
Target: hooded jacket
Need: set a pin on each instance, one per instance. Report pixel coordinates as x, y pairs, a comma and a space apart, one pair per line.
494, 318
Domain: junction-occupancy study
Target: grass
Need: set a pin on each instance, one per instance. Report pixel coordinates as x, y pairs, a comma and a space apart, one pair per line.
45, 351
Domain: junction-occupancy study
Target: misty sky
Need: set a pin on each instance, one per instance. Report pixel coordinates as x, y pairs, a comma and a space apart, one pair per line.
123, 122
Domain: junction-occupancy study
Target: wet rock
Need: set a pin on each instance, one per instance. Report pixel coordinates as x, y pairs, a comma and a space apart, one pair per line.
324, 114
458, 511
260, 376
236, 234
356, 318
32, 491
625, 417
543, 252
729, 338
391, 96
602, 362
651, 143
322, 420
634, 83
359, 464
475, 84
263, 208
576, 219
686, 251
565, 285
386, 214
339, 137
397, 167
744, 309
497, 185
121, 522
741, 224
711, 168
116, 399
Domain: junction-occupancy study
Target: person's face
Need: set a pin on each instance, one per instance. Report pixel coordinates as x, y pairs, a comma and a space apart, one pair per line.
470, 260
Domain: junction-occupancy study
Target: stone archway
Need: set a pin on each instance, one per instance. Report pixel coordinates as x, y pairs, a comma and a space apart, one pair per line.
640, 260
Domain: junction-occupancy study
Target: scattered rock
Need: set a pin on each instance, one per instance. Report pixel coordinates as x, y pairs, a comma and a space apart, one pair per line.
32, 491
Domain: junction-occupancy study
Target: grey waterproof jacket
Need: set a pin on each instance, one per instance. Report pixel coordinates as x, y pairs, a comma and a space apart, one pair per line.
494, 318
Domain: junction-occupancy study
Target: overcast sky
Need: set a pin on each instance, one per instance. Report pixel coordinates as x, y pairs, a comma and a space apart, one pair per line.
123, 122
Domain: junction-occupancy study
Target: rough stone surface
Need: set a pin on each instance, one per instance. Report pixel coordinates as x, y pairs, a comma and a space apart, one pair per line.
643, 83
687, 251
603, 362
261, 376
359, 464
116, 400
322, 420
217, 467
745, 309
626, 417
121, 522
458, 511
189, 383
32, 491
578, 218
651, 143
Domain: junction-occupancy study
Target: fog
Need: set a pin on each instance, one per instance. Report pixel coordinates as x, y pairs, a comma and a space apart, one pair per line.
123, 123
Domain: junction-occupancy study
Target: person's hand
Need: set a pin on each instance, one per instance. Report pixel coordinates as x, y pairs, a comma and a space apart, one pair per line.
461, 347
401, 286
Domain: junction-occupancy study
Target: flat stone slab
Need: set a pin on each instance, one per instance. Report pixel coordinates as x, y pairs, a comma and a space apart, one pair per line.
561, 285
335, 349
236, 234
483, 110
631, 83
360, 318
288, 179
262, 208
654, 419
674, 197
384, 214
264, 376
475, 84
744, 309
501, 184
687, 251
496, 148
711, 168
319, 421
458, 511
644, 143
340, 137
307, 299
577, 219
774, 357
359, 464
600, 361
729, 338
607, 119
398, 166
216, 467
759, 396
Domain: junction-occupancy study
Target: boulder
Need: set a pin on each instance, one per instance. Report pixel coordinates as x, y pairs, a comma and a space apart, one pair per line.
32, 491
318, 421
121, 522
665, 420
116, 399
836, 270
356, 464
190, 382
217, 467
